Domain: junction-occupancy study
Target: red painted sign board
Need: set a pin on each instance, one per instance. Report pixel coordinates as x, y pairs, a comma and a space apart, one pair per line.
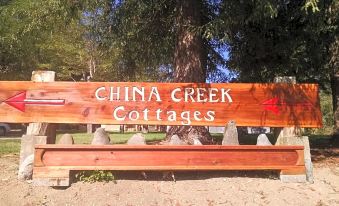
273, 105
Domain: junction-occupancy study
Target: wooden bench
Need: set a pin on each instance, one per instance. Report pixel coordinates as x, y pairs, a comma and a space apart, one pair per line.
273, 105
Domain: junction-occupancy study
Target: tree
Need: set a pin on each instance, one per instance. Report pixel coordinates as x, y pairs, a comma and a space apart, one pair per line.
294, 41
55, 35
166, 34
35, 35
299, 38
190, 61
171, 40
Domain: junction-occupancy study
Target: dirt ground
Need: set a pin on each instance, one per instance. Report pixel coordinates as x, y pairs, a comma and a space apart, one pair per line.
191, 188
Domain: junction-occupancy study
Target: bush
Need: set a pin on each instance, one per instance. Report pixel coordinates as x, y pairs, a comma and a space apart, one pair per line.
327, 115
95, 176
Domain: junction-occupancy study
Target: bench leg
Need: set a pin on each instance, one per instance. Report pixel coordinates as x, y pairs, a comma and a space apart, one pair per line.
43, 176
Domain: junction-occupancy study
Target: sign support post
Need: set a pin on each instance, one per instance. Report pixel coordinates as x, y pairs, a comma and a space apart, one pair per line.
37, 133
293, 136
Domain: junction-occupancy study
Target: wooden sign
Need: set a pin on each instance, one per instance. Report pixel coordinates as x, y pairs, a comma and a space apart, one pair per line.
275, 105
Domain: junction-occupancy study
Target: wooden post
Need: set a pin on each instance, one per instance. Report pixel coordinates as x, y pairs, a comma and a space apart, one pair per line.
89, 128
293, 136
38, 133
46, 129
282, 133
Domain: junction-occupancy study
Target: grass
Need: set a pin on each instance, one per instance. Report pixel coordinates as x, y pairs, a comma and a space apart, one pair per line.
11, 146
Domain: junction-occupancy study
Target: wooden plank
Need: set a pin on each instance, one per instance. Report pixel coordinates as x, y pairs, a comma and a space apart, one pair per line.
275, 105
150, 157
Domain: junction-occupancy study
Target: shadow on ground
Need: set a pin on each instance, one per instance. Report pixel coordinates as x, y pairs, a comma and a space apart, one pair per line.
188, 175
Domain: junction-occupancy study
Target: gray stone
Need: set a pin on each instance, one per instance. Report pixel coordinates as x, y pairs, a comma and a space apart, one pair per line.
26, 168
263, 140
230, 134
175, 140
137, 139
196, 141
100, 137
27, 145
287, 134
293, 178
66, 139
167, 174
304, 141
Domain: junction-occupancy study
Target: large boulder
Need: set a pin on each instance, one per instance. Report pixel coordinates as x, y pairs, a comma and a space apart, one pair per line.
26, 168
263, 140
66, 139
100, 137
137, 139
175, 140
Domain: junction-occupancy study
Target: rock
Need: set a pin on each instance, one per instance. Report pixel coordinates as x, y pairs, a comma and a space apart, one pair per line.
230, 134
100, 137
175, 140
304, 141
167, 174
137, 139
27, 145
26, 168
144, 175
196, 141
66, 139
263, 140
293, 178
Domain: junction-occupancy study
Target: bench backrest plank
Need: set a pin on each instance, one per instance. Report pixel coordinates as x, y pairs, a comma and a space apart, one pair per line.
275, 105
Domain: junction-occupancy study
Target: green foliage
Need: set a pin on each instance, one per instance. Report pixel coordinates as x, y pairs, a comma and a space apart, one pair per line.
286, 40
25, 25
327, 116
95, 176
48, 34
312, 4
327, 110
135, 40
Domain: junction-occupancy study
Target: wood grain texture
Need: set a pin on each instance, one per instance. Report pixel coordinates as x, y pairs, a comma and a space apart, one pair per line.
293, 105
150, 157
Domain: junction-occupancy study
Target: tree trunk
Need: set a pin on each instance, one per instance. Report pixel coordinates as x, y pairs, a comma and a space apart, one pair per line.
334, 65
190, 56
335, 102
189, 62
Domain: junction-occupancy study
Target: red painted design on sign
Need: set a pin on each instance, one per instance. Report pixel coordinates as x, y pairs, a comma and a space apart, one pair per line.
274, 103
19, 101
271, 105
